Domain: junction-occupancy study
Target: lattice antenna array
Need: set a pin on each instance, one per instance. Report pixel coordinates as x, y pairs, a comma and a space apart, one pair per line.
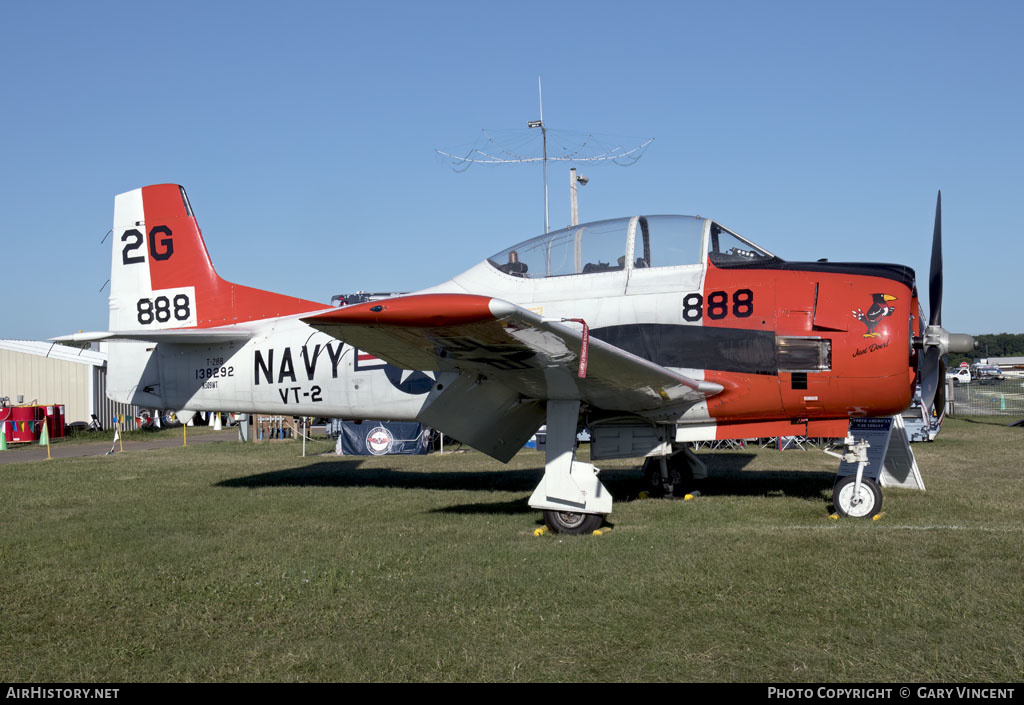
496, 147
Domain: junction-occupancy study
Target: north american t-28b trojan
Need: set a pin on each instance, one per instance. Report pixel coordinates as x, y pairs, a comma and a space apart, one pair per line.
651, 331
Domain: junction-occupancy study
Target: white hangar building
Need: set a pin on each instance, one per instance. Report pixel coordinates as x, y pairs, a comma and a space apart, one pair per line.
48, 373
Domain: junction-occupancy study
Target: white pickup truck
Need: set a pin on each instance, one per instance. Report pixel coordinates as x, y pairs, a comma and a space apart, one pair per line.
961, 374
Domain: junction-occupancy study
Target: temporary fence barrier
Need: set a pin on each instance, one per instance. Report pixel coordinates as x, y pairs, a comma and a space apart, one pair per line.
985, 397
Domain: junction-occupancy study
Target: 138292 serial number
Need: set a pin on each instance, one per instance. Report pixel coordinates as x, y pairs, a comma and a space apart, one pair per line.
215, 372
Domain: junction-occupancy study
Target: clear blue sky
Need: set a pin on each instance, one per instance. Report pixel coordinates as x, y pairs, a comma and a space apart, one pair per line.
305, 132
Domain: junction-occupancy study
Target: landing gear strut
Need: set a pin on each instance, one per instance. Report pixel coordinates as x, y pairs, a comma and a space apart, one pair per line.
572, 498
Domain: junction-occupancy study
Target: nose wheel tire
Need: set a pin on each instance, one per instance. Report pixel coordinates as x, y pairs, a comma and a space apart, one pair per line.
572, 522
866, 503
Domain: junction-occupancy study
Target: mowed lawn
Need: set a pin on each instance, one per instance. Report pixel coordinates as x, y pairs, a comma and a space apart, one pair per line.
223, 562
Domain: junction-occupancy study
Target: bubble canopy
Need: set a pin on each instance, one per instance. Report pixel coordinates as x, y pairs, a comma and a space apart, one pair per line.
638, 242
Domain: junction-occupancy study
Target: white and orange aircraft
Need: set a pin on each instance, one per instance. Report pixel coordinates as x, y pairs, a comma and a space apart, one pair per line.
651, 331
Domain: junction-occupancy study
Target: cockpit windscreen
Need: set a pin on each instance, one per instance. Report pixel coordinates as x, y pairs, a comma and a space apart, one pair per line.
640, 242
726, 247
581, 249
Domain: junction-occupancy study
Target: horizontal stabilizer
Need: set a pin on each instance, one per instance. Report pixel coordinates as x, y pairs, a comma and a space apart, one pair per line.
178, 336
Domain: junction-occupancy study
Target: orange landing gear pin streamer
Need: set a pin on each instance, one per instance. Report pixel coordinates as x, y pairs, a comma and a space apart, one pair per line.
584, 346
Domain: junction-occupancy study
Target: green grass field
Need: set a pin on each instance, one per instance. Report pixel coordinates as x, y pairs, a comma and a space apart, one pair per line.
222, 562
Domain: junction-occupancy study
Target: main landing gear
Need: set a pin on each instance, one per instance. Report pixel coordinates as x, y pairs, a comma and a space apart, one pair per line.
673, 475
572, 522
572, 498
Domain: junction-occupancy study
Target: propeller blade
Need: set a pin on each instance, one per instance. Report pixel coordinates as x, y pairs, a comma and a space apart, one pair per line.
937, 341
935, 278
929, 371
940, 393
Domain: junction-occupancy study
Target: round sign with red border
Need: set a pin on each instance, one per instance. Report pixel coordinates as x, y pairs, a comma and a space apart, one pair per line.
379, 440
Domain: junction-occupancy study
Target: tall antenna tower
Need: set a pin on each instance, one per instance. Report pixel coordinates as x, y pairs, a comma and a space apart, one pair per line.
503, 147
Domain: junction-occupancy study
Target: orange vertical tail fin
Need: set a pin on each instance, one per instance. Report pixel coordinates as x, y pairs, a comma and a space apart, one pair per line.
162, 276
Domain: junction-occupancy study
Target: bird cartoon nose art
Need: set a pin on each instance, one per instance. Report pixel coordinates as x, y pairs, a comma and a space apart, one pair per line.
879, 309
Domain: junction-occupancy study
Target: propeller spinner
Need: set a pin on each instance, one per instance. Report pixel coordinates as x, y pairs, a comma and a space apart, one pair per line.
937, 341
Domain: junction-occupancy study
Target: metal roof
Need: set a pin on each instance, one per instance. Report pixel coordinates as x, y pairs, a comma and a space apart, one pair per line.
56, 351
1005, 360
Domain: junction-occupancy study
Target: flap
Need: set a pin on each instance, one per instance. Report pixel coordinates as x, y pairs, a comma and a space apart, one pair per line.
487, 415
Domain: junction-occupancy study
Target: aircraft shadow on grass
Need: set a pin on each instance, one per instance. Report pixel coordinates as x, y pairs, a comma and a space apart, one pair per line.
996, 421
728, 478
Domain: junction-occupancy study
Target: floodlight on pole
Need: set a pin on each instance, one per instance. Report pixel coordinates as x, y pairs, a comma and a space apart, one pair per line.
574, 210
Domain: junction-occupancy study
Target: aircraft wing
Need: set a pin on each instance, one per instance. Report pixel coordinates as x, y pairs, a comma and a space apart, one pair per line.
483, 337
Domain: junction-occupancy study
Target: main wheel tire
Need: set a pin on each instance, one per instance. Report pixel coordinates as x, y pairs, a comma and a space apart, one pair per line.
652, 478
680, 479
572, 522
867, 504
